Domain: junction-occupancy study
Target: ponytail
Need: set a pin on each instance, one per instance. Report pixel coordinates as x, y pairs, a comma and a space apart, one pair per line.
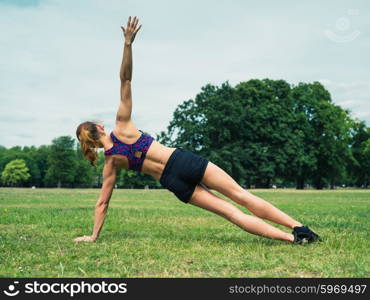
88, 136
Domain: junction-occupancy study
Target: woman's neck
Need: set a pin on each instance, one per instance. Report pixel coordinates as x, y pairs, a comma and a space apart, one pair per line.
106, 142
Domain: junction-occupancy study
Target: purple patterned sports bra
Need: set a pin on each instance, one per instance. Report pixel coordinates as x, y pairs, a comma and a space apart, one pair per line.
141, 145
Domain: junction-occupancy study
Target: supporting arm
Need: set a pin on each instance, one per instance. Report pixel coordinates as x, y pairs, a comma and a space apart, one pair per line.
101, 207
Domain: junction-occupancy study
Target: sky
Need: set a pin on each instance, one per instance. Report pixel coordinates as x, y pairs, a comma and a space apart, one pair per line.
60, 59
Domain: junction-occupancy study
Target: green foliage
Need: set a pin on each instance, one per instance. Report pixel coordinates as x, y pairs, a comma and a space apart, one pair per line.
83, 171
132, 179
265, 131
324, 131
62, 162
28, 155
359, 168
15, 172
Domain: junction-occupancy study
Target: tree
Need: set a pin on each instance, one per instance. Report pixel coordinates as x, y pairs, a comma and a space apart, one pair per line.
324, 132
62, 162
264, 131
41, 159
245, 130
25, 154
359, 166
29, 155
200, 124
133, 179
15, 172
84, 173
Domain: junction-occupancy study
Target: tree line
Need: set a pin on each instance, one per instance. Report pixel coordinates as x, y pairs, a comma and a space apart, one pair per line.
60, 164
263, 133
268, 132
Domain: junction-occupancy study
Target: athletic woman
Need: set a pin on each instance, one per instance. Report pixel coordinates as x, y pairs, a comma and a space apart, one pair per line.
189, 176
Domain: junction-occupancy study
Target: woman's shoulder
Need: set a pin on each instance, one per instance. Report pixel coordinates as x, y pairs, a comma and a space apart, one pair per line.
125, 129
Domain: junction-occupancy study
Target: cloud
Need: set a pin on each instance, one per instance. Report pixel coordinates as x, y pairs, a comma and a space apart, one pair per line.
20, 3
25, 136
15, 118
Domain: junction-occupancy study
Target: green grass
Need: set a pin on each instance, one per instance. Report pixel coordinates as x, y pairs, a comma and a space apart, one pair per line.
152, 234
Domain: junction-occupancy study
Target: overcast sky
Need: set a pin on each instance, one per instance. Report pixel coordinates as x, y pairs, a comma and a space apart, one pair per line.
60, 59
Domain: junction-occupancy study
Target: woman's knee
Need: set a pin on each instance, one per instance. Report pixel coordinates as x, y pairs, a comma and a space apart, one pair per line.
240, 196
231, 213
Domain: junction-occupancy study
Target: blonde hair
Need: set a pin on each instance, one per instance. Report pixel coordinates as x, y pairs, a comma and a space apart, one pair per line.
88, 136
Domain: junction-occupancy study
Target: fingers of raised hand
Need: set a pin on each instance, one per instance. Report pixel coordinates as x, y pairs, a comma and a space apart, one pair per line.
128, 22
137, 29
132, 23
136, 21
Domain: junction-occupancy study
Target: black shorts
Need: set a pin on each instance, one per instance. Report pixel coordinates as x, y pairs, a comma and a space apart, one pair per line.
183, 172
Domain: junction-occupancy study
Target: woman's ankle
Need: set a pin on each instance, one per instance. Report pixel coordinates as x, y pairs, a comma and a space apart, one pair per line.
290, 237
295, 224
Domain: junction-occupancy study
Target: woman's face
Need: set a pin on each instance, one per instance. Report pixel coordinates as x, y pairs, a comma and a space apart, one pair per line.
100, 127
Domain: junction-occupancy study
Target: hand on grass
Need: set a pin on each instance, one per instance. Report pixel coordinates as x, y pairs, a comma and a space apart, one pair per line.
85, 238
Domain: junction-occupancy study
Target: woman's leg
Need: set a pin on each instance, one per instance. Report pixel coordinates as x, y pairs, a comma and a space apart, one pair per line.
206, 199
217, 179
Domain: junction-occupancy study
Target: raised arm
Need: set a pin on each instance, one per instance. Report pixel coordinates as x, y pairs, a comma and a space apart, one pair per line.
125, 107
101, 207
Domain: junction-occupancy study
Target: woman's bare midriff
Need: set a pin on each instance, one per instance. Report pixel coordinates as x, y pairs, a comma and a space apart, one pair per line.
156, 159
154, 162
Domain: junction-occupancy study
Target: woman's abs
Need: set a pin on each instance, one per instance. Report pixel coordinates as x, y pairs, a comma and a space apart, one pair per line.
156, 159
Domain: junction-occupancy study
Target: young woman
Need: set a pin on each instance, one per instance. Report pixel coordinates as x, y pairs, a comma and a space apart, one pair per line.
189, 176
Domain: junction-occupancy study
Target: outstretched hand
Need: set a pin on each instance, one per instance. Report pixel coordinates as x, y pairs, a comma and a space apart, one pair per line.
131, 30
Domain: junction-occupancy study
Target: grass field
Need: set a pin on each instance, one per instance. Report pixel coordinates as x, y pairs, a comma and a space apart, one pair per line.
152, 234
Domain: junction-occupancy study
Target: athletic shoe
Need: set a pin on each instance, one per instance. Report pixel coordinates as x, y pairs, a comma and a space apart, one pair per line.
304, 235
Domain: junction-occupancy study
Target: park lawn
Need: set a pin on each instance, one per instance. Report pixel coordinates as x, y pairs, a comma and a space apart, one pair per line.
149, 233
